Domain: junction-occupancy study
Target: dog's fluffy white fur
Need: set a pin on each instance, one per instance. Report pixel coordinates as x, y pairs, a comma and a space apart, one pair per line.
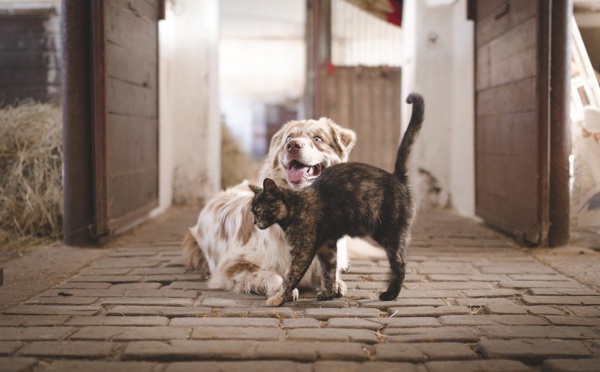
225, 242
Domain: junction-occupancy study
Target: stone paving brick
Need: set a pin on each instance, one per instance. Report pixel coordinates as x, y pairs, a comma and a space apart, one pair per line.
17, 364
148, 301
408, 293
332, 334
447, 271
571, 365
118, 321
199, 286
111, 292
574, 321
446, 350
112, 263
266, 312
563, 292
492, 293
532, 349
77, 285
449, 285
123, 271
34, 333
130, 333
159, 311
426, 311
561, 300
301, 323
246, 366
226, 322
537, 277
505, 309
370, 270
225, 302
325, 314
459, 320
438, 334
543, 310
310, 351
517, 269
407, 322
587, 311
190, 350
398, 353
513, 332
159, 271
9, 347
101, 366
167, 279
130, 286
478, 366
481, 302
237, 333
365, 367
62, 301
32, 320
411, 302
107, 278
67, 349
353, 323
541, 284
53, 310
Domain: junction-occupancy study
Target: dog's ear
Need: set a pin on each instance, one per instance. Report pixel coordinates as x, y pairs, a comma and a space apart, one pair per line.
344, 138
270, 186
255, 189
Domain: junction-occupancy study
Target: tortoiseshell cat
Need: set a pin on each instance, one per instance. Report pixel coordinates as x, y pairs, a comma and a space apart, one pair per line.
352, 199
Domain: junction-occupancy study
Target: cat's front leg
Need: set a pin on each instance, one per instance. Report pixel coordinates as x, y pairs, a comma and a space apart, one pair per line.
330, 288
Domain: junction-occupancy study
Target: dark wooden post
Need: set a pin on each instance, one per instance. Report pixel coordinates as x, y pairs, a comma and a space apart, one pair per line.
78, 195
560, 124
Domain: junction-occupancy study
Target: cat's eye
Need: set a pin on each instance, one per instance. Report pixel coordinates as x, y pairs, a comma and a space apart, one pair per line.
288, 139
318, 139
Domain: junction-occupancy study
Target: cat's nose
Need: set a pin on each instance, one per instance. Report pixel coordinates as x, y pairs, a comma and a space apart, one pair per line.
293, 146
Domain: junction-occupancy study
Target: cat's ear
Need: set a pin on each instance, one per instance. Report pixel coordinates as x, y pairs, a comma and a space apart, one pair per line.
255, 189
270, 186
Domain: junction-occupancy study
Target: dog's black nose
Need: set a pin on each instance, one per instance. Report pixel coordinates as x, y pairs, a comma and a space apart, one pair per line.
293, 146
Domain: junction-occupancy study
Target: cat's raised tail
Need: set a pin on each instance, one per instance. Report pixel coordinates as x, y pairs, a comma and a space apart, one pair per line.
414, 126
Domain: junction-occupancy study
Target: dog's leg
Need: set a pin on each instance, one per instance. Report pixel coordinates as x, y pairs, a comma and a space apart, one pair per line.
245, 277
343, 264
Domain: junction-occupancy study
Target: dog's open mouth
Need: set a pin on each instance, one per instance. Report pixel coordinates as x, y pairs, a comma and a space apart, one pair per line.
298, 172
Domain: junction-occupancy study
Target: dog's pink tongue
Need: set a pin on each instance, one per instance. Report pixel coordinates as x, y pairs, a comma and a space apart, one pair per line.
296, 174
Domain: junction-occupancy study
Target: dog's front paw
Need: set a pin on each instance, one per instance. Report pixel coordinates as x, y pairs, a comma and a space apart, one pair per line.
276, 300
295, 294
340, 288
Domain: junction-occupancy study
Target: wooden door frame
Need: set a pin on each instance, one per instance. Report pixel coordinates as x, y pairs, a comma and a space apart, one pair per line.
553, 89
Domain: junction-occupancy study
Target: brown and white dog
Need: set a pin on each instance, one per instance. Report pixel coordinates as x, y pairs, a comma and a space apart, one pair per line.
225, 242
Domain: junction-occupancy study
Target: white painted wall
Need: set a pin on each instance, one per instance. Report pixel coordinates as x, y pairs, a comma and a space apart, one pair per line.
438, 63
190, 134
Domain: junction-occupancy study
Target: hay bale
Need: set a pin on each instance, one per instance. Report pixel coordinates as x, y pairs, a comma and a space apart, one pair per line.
236, 165
30, 172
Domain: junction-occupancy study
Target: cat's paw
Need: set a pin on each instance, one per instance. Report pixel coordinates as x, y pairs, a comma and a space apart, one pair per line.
276, 300
340, 288
295, 294
387, 296
326, 295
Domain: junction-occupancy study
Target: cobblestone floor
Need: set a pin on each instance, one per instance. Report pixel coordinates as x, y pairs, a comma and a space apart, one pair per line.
472, 301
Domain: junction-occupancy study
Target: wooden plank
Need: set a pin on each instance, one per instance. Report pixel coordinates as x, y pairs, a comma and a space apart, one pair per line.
131, 100
130, 67
127, 193
135, 143
505, 16
485, 7
511, 98
496, 134
27, 43
23, 78
26, 61
147, 10
131, 31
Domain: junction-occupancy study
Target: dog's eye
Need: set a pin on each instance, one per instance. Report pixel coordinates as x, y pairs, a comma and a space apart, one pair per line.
288, 139
318, 139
